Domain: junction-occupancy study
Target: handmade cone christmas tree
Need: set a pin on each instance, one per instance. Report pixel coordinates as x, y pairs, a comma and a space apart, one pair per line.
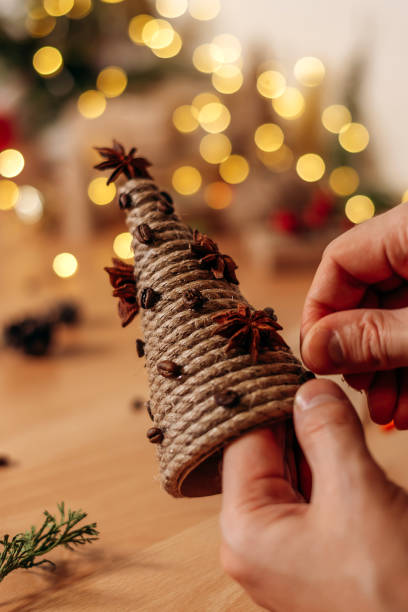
217, 367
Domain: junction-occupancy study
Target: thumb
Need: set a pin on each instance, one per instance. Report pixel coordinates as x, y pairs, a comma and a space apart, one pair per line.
332, 439
357, 341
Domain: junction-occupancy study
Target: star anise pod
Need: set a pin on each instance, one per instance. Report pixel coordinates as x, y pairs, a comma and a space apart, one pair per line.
124, 287
122, 163
249, 330
220, 265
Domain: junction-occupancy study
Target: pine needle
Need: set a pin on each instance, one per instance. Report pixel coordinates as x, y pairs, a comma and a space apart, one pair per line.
23, 549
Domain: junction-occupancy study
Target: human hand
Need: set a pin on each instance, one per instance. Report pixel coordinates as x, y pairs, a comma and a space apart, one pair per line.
355, 318
347, 549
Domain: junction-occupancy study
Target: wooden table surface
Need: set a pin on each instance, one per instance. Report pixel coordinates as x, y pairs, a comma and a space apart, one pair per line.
72, 435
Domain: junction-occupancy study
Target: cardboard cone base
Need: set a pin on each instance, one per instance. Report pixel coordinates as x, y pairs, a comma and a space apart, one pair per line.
194, 427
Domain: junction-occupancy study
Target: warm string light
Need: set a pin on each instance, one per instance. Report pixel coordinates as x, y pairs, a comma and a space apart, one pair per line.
57, 8
335, 117
81, 9
30, 204
277, 161
271, 84
354, 137
215, 148
309, 71
218, 195
122, 245
185, 118
91, 104
8, 194
11, 163
171, 8
234, 169
359, 208
65, 265
99, 192
186, 180
290, 104
344, 180
204, 10
269, 137
310, 167
112, 81
48, 61
214, 117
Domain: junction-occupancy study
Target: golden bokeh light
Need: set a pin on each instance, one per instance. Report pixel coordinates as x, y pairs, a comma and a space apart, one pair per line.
65, 265
57, 8
40, 27
290, 105
310, 167
335, 117
91, 104
214, 117
11, 163
203, 10
359, 208
271, 84
47, 61
30, 204
277, 161
158, 34
405, 196
203, 58
344, 180
111, 1
218, 195
122, 245
227, 78
309, 71
99, 192
215, 148
226, 48
234, 169
354, 137
112, 81
185, 118
171, 8
8, 194
186, 180
172, 49
136, 26
269, 137
204, 98
81, 9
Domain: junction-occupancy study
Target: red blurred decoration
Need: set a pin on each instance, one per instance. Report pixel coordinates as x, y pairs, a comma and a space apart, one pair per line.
285, 221
388, 426
7, 131
318, 209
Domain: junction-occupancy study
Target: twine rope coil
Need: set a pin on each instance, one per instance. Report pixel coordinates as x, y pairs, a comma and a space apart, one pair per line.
195, 427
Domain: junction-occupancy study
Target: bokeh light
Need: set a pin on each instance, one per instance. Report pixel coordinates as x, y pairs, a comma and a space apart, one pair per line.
185, 118
227, 78
354, 137
99, 192
405, 196
344, 180
203, 58
122, 245
30, 204
111, 1
269, 137
290, 105
271, 84
203, 10
65, 265
234, 169
335, 117
171, 8
226, 48
11, 163
47, 61
277, 161
81, 9
8, 194
39, 26
310, 167
214, 117
57, 8
172, 49
186, 180
206, 97
112, 81
309, 71
158, 34
218, 195
359, 208
215, 148
136, 26
91, 104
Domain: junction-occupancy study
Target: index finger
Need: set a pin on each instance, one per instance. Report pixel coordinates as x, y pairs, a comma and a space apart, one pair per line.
367, 254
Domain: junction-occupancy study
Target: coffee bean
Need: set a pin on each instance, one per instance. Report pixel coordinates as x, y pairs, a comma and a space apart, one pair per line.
125, 201
307, 375
149, 297
168, 369
270, 311
227, 398
194, 299
144, 233
140, 347
155, 435
164, 207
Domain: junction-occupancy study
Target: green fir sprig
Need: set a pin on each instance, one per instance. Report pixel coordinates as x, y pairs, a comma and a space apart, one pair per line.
23, 549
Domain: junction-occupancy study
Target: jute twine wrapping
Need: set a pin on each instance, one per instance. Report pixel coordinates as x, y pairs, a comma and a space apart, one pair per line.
195, 428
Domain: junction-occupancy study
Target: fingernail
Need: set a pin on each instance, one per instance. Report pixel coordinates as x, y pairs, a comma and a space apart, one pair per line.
317, 392
303, 403
335, 349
